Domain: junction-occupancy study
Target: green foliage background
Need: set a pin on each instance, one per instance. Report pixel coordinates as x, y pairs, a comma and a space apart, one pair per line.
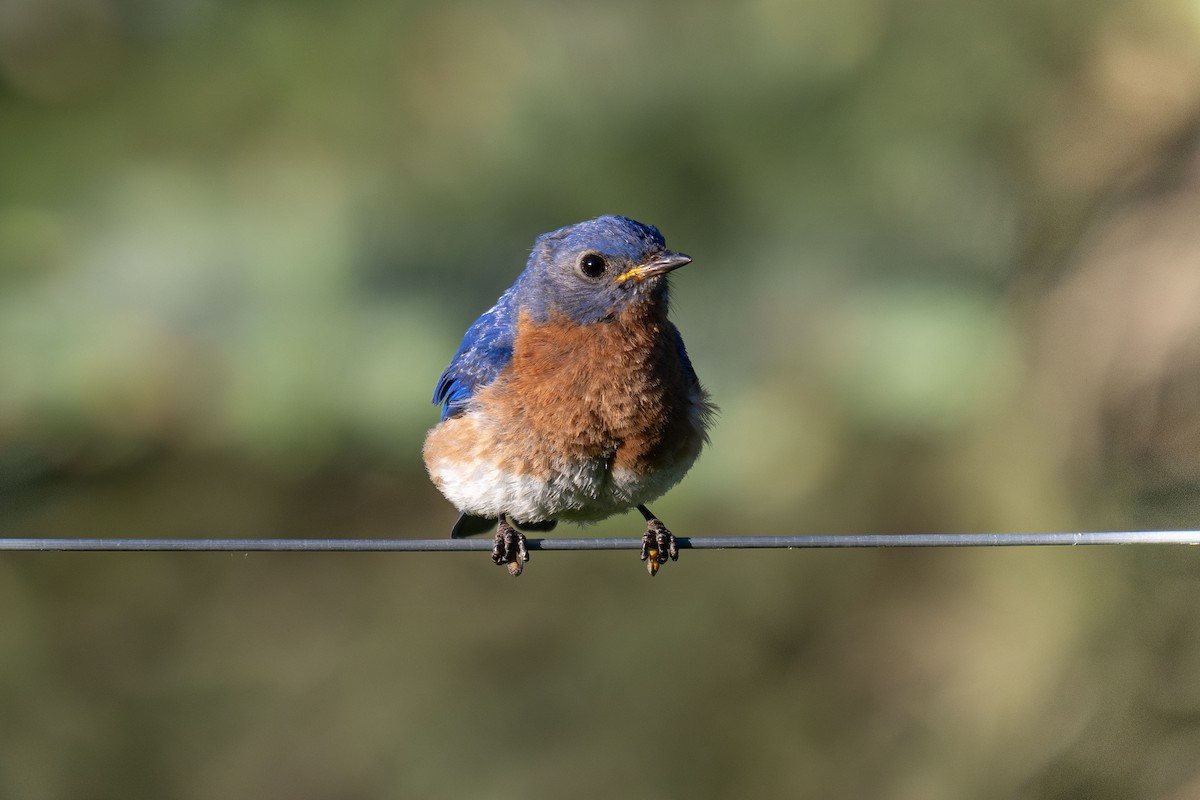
946, 278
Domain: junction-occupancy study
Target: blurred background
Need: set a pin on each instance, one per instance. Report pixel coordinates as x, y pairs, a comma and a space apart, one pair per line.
946, 278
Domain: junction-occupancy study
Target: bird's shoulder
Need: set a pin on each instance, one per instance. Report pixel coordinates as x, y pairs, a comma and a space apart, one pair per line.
685, 363
486, 349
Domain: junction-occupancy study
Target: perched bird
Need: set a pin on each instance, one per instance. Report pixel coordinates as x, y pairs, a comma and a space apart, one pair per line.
572, 397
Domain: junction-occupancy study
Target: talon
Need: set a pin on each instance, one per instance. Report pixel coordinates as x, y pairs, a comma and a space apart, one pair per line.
665, 543
658, 543
509, 548
672, 547
651, 554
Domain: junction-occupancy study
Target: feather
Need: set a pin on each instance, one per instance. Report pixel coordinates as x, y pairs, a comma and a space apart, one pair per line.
485, 351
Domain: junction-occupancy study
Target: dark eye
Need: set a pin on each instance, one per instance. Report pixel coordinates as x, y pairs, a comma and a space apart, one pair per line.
593, 265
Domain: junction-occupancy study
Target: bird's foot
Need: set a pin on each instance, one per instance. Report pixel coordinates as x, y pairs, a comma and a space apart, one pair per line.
509, 548
658, 545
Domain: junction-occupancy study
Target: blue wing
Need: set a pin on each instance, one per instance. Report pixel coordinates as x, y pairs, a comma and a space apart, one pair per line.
486, 349
688, 369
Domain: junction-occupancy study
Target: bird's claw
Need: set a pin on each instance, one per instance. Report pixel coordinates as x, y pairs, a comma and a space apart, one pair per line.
509, 548
658, 544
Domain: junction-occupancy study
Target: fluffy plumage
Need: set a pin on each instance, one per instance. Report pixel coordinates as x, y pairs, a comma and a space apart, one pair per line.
573, 397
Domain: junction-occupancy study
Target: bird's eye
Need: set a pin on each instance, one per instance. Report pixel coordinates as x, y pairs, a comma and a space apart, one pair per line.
593, 265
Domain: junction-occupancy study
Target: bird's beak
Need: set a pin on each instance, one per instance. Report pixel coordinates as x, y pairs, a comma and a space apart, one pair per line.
661, 264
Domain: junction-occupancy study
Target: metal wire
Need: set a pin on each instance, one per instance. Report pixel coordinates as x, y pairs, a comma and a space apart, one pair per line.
684, 543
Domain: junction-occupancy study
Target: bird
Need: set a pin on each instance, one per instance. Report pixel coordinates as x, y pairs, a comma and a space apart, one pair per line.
573, 397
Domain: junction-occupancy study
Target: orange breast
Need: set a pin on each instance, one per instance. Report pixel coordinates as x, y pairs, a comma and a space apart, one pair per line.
615, 390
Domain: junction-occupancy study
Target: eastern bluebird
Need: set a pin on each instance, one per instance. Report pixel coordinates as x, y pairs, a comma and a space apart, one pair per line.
572, 397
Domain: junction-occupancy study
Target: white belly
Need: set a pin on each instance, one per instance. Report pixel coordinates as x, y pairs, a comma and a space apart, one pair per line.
480, 479
583, 491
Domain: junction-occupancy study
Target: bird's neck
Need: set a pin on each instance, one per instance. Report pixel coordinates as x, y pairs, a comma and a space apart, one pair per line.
648, 303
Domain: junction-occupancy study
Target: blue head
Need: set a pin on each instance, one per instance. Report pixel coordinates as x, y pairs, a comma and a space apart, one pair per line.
593, 270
